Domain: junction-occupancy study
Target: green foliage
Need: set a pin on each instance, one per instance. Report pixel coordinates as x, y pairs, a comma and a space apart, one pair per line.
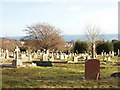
60, 76
81, 47
116, 45
104, 46
25, 48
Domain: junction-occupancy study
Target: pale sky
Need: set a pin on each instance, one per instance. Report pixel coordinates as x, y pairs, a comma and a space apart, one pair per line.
70, 16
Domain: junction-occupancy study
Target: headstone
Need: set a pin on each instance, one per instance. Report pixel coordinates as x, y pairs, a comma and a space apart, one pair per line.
34, 55
65, 56
0, 52
6, 54
75, 59
113, 53
61, 56
118, 52
101, 53
52, 58
92, 69
57, 56
30, 57
87, 57
45, 57
16, 63
17, 52
109, 59
104, 53
23, 56
47, 52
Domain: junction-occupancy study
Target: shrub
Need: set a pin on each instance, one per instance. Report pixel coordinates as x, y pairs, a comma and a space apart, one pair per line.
104, 46
116, 45
81, 47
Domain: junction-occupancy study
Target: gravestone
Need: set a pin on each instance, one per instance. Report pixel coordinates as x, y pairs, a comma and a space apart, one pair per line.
61, 56
30, 57
0, 52
113, 53
6, 54
109, 58
45, 57
105, 54
17, 52
35, 55
87, 57
118, 52
101, 53
57, 56
92, 69
51, 57
75, 59
23, 56
17, 62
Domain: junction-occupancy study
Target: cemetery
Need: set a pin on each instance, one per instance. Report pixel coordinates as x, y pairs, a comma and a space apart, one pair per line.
48, 69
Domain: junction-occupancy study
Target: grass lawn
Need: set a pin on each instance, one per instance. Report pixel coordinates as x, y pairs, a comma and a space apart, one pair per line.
59, 76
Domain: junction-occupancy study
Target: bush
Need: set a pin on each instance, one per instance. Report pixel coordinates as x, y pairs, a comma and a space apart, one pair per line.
116, 45
104, 46
81, 47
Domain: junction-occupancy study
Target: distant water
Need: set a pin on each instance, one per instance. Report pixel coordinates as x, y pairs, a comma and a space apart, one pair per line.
108, 37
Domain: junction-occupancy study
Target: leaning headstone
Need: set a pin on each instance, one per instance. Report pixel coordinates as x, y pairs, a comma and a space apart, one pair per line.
92, 69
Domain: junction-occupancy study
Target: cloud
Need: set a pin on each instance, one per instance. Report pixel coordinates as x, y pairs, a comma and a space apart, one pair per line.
75, 8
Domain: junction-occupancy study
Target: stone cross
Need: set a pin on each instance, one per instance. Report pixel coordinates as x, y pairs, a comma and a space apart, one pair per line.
17, 51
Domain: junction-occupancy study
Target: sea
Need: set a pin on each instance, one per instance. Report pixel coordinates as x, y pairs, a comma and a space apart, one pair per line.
69, 38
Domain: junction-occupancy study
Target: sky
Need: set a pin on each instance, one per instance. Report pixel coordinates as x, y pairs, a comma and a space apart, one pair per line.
70, 16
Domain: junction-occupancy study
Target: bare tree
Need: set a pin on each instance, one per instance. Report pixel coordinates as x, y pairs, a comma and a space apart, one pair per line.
93, 34
47, 36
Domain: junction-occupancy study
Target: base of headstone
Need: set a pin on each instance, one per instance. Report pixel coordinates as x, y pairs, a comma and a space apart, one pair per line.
16, 63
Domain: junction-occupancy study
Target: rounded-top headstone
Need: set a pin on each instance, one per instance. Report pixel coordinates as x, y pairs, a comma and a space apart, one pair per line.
92, 69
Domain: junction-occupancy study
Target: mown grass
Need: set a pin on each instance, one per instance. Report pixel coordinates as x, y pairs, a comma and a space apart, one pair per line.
59, 76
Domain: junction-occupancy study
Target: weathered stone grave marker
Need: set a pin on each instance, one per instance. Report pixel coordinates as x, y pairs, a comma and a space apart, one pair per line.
45, 57
6, 54
92, 69
75, 59
17, 62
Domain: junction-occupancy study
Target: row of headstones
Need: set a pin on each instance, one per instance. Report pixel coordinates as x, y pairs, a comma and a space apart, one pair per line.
111, 53
45, 56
